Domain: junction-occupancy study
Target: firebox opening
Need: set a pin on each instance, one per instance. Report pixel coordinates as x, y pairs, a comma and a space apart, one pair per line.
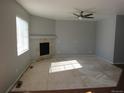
44, 48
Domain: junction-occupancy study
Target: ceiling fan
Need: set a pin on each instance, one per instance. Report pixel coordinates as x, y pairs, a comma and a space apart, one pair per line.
81, 15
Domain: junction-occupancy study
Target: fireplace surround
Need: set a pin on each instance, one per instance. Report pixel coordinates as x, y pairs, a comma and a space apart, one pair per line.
49, 44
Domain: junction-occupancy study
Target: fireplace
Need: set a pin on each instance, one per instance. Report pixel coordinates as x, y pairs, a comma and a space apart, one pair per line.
44, 48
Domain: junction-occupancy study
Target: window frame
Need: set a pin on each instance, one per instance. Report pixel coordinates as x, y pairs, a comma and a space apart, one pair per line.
22, 37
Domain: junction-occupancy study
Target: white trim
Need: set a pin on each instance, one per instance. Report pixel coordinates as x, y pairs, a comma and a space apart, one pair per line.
106, 60
23, 51
20, 75
118, 63
42, 36
71, 55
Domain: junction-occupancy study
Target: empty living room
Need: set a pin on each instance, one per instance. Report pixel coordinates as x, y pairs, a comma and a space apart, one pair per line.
62, 46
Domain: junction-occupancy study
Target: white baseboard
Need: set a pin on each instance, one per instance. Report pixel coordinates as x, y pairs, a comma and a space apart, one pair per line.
13, 84
118, 63
71, 55
104, 59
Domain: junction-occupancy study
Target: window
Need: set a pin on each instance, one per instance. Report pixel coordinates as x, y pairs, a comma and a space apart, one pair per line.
22, 36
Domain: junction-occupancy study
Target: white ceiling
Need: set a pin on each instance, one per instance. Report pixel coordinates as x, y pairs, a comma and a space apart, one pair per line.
63, 9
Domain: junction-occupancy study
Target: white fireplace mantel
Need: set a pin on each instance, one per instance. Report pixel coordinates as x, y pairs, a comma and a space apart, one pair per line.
42, 36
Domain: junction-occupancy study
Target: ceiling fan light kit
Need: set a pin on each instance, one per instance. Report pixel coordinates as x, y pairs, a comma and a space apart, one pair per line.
80, 18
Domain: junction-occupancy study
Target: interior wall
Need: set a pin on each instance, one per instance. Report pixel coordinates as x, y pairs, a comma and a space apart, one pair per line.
39, 26
42, 26
119, 40
105, 38
11, 65
75, 37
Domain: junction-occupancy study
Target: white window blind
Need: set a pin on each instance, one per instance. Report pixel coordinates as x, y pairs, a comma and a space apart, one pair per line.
22, 36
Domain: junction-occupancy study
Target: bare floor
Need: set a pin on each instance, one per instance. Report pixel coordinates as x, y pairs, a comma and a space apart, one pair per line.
69, 72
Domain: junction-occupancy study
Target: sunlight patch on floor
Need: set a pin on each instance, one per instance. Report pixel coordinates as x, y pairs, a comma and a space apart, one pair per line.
64, 66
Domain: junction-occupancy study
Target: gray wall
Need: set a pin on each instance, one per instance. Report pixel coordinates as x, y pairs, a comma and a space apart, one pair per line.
105, 38
10, 64
119, 40
42, 26
75, 37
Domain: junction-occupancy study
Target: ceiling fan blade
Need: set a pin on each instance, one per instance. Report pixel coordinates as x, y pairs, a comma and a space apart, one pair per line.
81, 12
76, 15
88, 15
